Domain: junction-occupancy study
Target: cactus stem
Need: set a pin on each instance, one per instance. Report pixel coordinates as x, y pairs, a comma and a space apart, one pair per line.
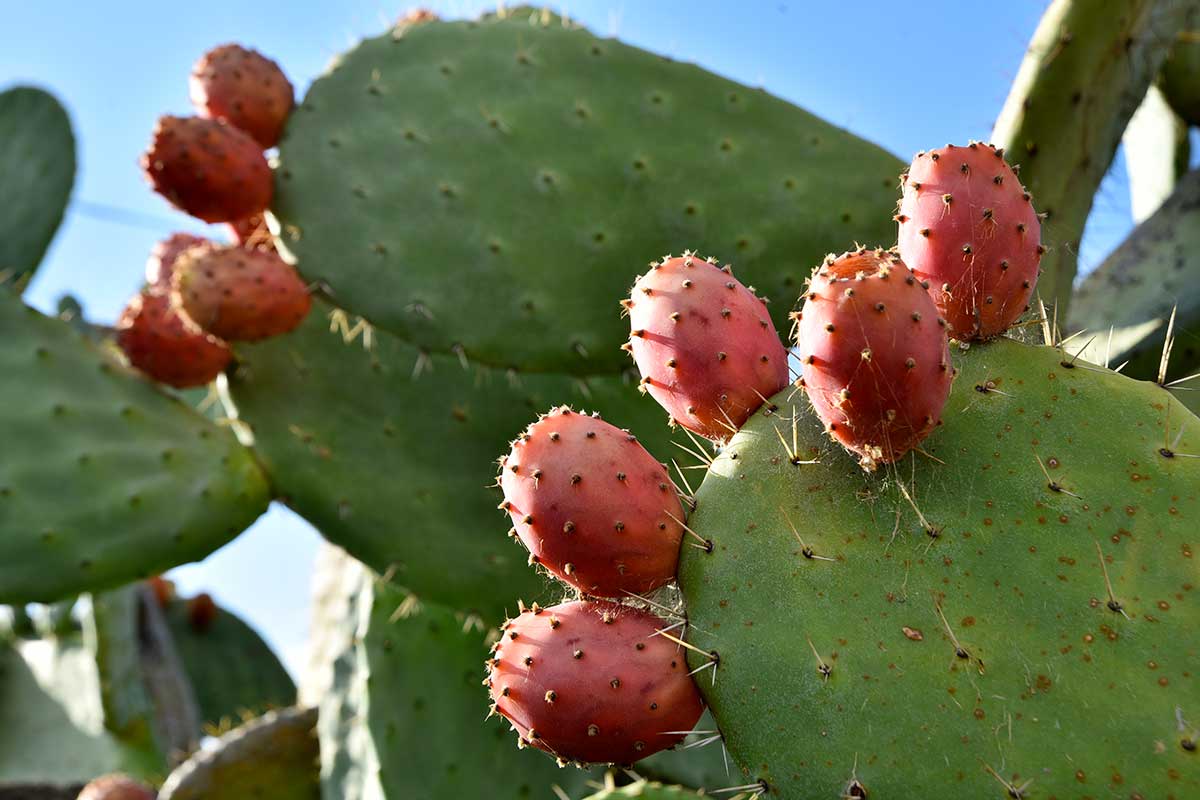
805, 550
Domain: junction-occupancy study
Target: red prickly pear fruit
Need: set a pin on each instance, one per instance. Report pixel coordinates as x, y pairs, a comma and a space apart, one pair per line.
165, 346
161, 264
244, 88
163, 589
968, 227
874, 353
207, 168
239, 295
592, 506
116, 787
590, 681
704, 344
201, 612
252, 233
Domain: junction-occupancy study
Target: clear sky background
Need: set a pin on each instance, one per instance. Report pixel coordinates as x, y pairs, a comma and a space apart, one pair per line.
907, 75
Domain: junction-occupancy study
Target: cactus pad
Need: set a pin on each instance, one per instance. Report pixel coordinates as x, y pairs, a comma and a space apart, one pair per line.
37, 170
134, 483
417, 687
1035, 621
524, 152
233, 672
273, 757
1155, 270
397, 474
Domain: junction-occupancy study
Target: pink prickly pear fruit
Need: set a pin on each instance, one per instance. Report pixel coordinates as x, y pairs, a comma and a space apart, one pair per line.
874, 354
239, 294
592, 506
244, 88
705, 345
589, 681
968, 227
165, 346
207, 168
116, 787
161, 264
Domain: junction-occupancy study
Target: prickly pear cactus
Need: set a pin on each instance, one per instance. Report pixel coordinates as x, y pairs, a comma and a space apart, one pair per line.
558, 123
1151, 275
1016, 602
409, 685
430, 438
272, 757
56, 726
1083, 76
149, 484
232, 671
37, 170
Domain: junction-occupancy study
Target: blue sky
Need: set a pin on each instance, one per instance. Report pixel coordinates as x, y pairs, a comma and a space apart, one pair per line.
908, 76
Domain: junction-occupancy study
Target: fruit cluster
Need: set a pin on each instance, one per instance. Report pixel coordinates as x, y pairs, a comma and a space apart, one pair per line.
601, 680
200, 294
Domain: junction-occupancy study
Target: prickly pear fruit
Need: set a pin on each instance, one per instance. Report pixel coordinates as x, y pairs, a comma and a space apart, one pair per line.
592, 505
160, 343
201, 612
415, 16
705, 345
161, 264
162, 588
874, 354
116, 787
244, 88
968, 227
592, 682
207, 168
239, 294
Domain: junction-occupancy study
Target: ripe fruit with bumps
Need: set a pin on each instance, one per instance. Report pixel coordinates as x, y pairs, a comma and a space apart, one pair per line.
591, 505
704, 344
160, 343
116, 787
239, 294
592, 682
161, 264
968, 227
244, 88
874, 352
207, 168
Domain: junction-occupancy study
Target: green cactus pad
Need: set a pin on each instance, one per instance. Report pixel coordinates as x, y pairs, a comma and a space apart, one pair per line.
414, 687
273, 757
1069, 105
645, 790
52, 721
1155, 270
394, 467
233, 672
525, 154
1181, 77
104, 478
1036, 672
37, 169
